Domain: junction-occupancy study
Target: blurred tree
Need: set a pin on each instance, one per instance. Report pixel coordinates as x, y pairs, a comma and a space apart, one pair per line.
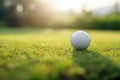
85, 13
116, 7
3, 11
84, 6
37, 13
25, 13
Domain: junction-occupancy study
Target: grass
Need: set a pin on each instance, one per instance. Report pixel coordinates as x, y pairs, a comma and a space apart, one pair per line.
48, 55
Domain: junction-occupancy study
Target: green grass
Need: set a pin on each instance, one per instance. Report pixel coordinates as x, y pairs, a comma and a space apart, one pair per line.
48, 55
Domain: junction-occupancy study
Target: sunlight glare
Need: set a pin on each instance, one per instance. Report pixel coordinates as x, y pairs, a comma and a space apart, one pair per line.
65, 5
78, 5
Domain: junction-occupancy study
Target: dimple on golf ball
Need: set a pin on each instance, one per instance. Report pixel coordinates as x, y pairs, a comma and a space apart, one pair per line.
80, 40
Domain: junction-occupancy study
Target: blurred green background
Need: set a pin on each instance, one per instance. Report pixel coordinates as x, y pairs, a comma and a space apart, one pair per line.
81, 14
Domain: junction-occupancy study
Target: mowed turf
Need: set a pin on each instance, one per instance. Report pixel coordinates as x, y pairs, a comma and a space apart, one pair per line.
48, 55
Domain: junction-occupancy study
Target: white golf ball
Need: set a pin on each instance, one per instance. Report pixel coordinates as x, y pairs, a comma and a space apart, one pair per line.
80, 40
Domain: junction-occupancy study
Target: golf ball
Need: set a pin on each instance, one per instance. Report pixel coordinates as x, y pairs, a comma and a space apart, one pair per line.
80, 40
